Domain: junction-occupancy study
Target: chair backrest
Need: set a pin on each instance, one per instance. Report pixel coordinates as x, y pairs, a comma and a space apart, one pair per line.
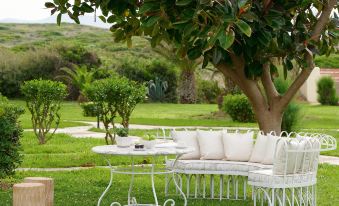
298, 153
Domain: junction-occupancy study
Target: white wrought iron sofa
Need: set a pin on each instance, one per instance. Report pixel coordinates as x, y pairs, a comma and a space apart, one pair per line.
229, 179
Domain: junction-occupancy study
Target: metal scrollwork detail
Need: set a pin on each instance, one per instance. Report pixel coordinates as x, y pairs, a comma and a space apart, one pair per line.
171, 201
115, 203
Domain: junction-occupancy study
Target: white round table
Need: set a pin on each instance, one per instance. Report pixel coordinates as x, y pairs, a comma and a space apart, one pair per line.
108, 150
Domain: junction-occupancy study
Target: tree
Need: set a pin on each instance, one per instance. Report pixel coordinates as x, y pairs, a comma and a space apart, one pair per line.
242, 38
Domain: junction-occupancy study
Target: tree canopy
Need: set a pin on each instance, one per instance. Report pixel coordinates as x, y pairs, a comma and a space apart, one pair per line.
241, 38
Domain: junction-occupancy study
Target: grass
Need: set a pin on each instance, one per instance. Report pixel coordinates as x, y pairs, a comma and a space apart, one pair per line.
331, 61
84, 188
65, 151
313, 116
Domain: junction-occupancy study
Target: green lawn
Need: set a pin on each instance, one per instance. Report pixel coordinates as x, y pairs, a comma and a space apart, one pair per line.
313, 116
84, 187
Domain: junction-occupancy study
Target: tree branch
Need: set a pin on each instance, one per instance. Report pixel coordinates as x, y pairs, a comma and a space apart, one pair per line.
305, 73
267, 82
323, 19
249, 87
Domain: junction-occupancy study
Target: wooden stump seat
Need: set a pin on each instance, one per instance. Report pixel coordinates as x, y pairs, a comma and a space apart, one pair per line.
49, 187
29, 194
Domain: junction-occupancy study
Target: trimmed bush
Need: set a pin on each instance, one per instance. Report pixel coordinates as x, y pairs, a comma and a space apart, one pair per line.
115, 96
89, 109
326, 91
10, 133
239, 108
208, 91
43, 99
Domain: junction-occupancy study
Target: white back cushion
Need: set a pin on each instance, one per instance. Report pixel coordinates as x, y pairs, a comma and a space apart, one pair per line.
270, 149
238, 146
188, 139
288, 162
259, 150
211, 145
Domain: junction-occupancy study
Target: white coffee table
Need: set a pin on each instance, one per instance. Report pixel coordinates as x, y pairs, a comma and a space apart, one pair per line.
108, 150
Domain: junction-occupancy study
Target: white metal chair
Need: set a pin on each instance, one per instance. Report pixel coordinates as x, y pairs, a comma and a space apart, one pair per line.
293, 179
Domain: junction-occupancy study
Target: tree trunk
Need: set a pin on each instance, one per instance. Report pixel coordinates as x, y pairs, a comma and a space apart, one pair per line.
269, 121
187, 90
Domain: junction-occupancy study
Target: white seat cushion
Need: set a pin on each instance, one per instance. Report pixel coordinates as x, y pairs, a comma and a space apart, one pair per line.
238, 146
270, 149
215, 167
266, 178
259, 149
289, 156
188, 139
211, 145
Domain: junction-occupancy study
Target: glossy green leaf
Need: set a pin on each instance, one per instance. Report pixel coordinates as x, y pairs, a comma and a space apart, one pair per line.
226, 40
244, 27
149, 6
242, 3
86, 8
59, 19
183, 2
49, 5
102, 18
194, 53
151, 21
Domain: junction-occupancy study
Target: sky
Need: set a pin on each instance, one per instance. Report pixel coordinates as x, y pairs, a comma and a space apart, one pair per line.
34, 11
23, 9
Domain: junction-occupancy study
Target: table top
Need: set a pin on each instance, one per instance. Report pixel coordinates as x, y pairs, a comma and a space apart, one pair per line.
130, 151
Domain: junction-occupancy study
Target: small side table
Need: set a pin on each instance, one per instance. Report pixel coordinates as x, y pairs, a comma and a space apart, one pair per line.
113, 150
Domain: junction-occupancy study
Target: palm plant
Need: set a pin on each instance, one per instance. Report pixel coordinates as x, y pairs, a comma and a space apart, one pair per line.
187, 84
79, 77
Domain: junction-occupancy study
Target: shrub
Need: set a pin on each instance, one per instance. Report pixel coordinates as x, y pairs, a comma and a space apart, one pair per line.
291, 117
36, 62
326, 91
89, 109
208, 91
291, 114
43, 99
122, 132
144, 71
115, 96
239, 108
10, 133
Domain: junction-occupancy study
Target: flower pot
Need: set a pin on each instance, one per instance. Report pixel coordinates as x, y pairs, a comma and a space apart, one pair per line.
149, 144
124, 141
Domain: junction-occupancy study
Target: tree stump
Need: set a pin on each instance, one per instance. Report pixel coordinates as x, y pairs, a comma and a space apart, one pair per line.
49, 187
29, 194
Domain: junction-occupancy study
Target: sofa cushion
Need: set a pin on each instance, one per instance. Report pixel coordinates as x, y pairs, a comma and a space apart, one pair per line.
188, 139
211, 145
215, 167
270, 149
266, 178
289, 156
238, 146
259, 149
